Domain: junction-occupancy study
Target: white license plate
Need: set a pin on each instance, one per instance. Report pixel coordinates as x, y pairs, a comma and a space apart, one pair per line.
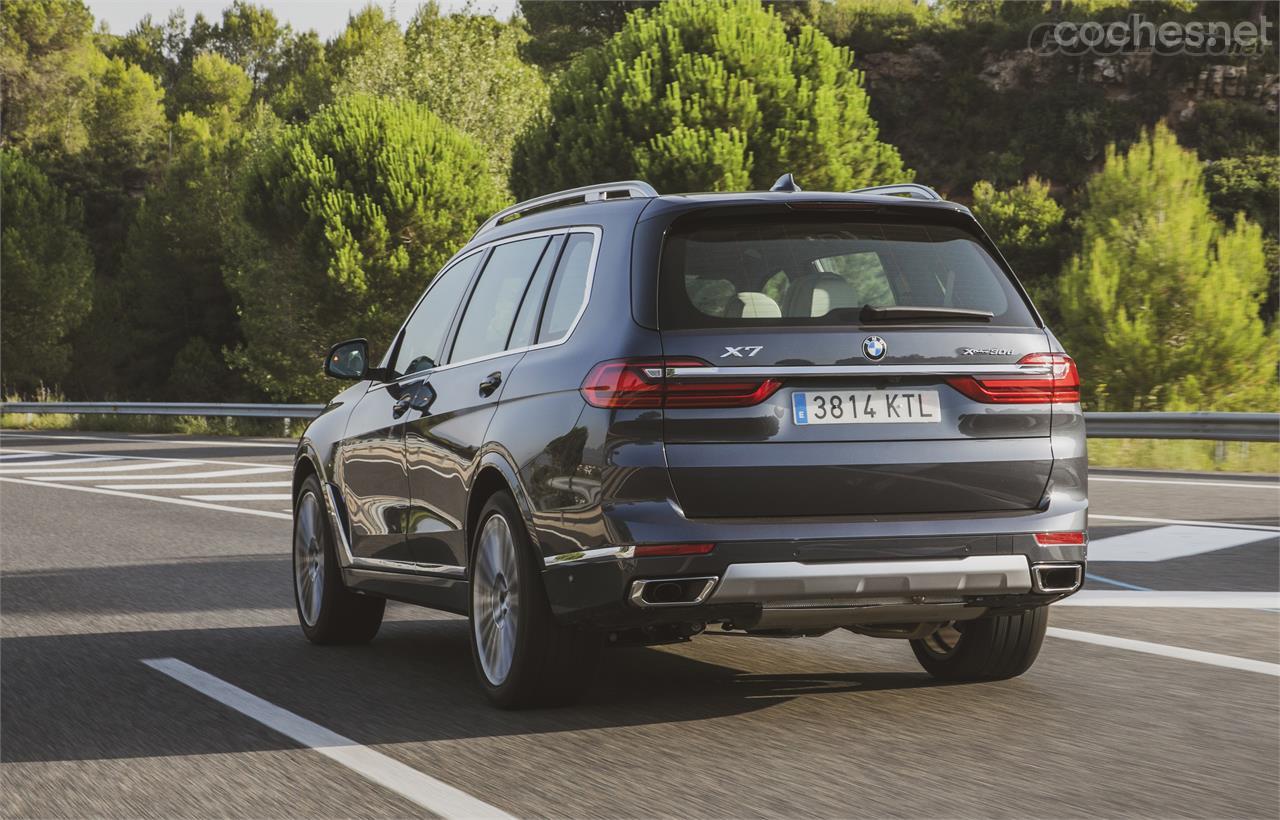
866, 407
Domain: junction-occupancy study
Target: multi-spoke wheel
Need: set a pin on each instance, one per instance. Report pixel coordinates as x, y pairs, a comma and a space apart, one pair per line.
496, 613
308, 558
327, 611
989, 648
523, 656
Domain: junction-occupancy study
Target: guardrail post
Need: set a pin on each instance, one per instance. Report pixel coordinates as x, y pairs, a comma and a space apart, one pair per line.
286, 426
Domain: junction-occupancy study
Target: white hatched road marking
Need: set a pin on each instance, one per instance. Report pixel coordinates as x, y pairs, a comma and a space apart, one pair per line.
1137, 519
1235, 485
54, 465
1178, 599
1164, 650
1165, 543
69, 467
435, 796
241, 497
175, 442
165, 499
212, 485
165, 477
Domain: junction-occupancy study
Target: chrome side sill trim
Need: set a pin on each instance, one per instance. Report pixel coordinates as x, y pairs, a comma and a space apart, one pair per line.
584, 556
408, 567
794, 581
859, 370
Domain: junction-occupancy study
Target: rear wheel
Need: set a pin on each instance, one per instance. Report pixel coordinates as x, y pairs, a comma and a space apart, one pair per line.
328, 612
522, 655
992, 648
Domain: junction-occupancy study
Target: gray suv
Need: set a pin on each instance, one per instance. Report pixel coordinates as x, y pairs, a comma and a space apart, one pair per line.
623, 417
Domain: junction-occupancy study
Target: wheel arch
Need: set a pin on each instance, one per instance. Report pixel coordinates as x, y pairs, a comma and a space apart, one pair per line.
496, 474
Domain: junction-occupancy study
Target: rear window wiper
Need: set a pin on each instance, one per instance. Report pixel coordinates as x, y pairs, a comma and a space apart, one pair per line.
922, 313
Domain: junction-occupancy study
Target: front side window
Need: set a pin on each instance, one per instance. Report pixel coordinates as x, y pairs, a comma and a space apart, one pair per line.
423, 344
798, 269
487, 322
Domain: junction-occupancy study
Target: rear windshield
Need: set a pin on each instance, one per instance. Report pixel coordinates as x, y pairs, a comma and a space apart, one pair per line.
801, 269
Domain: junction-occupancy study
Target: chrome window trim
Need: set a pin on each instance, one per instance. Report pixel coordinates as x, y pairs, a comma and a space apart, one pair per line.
859, 370
585, 556
597, 234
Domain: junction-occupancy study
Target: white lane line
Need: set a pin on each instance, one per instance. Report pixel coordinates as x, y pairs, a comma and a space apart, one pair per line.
175, 442
1164, 650
165, 499
1188, 522
1178, 599
1248, 485
241, 497
77, 467
1165, 543
165, 477
435, 796
202, 485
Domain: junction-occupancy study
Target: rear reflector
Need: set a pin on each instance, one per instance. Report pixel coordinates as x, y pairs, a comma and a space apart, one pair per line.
1074, 538
653, 550
1061, 386
642, 383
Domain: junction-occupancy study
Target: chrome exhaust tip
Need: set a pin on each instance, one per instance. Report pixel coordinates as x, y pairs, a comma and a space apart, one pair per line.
1055, 579
653, 592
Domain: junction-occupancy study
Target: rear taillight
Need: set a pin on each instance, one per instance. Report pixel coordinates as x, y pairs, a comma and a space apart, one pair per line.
1069, 538
1060, 386
642, 384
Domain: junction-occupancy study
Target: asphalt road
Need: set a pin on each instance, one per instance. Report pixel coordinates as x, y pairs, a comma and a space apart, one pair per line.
117, 549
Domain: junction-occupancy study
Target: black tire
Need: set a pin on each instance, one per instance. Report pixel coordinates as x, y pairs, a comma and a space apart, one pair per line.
551, 662
996, 647
343, 617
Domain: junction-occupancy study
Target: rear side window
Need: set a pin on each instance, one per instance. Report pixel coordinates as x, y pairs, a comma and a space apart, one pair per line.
423, 342
486, 324
568, 288
798, 269
531, 308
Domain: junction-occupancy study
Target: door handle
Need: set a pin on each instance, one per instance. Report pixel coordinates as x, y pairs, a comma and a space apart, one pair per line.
405, 400
490, 384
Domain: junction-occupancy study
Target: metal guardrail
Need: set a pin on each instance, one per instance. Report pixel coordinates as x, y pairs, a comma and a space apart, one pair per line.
1208, 426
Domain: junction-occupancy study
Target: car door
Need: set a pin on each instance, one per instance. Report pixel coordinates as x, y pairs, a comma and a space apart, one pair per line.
443, 438
371, 470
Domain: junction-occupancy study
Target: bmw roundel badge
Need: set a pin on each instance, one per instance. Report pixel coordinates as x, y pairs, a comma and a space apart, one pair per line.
874, 348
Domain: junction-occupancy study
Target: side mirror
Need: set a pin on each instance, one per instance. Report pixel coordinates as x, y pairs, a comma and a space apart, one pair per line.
348, 360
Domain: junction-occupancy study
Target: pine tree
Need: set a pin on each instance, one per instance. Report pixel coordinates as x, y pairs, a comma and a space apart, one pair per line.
1161, 304
707, 95
345, 221
48, 270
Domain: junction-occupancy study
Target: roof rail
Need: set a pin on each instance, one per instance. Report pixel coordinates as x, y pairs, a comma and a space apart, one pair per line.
631, 188
911, 189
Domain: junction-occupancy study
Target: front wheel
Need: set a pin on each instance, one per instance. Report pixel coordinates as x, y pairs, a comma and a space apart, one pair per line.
328, 612
995, 647
522, 655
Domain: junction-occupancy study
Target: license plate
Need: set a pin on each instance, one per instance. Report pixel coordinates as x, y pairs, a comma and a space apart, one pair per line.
866, 407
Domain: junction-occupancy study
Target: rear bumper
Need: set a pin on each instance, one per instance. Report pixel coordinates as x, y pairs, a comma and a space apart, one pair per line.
611, 589
786, 582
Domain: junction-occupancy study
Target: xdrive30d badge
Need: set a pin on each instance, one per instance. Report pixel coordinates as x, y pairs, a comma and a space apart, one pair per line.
622, 417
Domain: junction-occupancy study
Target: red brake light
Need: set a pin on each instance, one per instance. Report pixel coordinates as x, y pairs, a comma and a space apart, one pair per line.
1061, 386
642, 383
653, 550
1075, 538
